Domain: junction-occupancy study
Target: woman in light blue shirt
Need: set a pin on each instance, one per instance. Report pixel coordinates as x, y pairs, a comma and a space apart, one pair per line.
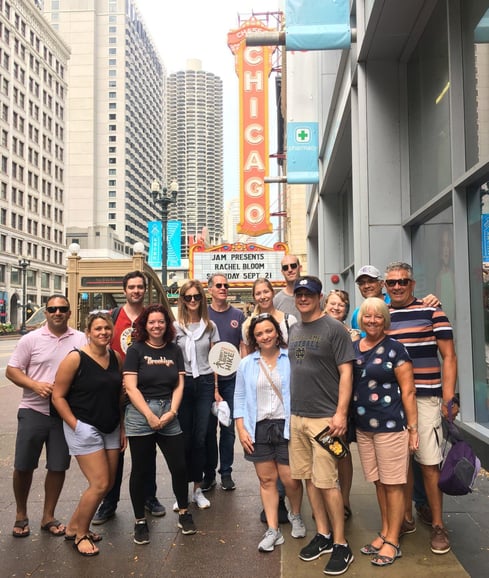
262, 414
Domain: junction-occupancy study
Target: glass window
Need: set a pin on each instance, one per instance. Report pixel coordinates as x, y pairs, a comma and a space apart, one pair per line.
475, 38
429, 112
432, 246
479, 295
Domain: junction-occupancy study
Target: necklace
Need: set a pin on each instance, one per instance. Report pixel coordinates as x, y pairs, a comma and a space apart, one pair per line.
155, 345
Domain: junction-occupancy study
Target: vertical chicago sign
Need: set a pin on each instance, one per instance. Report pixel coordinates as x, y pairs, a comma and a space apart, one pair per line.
253, 66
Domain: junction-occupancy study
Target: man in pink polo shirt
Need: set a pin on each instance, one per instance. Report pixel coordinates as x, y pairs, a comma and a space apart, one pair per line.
32, 367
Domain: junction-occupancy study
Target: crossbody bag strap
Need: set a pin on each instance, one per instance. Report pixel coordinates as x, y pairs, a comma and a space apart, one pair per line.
270, 380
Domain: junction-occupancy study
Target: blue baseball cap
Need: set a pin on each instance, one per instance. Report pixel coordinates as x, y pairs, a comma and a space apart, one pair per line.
308, 284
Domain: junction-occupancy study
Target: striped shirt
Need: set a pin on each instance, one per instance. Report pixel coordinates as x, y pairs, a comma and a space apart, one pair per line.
419, 328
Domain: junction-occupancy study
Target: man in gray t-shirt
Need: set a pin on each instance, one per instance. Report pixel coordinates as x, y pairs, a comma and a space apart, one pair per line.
321, 355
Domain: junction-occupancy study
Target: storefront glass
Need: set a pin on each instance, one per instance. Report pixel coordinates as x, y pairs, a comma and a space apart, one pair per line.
429, 112
432, 245
479, 297
475, 38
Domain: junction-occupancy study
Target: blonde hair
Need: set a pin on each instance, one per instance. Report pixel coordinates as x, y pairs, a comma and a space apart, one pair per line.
378, 306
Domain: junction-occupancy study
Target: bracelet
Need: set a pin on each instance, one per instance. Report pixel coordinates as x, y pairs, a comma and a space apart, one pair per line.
413, 427
173, 412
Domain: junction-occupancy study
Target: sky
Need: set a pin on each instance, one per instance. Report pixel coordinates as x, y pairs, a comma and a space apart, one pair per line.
187, 29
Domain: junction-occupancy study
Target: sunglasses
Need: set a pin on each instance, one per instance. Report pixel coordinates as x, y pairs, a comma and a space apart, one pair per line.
290, 266
196, 297
400, 282
260, 317
62, 309
222, 285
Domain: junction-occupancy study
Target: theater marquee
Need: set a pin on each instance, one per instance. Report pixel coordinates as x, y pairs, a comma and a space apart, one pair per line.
242, 263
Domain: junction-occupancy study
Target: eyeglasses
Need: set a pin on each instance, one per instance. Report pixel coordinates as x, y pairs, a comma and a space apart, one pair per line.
196, 297
62, 309
290, 266
400, 282
302, 294
367, 281
222, 285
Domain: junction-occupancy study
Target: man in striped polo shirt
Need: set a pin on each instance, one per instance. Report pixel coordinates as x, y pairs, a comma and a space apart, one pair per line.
427, 335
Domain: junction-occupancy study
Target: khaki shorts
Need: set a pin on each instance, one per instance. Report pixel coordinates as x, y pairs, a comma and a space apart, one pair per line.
384, 456
429, 430
308, 460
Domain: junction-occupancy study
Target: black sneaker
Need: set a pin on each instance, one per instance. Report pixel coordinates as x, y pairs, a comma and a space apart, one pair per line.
340, 560
207, 484
227, 483
154, 507
186, 523
105, 512
318, 546
141, 532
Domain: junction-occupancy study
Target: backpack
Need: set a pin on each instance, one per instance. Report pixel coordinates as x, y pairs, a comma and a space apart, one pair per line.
115, 313
460, 465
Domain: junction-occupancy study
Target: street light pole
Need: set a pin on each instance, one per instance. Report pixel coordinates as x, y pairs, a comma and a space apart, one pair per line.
23, 264
165, 197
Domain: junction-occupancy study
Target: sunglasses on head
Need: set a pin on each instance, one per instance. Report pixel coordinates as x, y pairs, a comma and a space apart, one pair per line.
196, 297
290, 266
400, 282
261, 317
222, 285
61, 309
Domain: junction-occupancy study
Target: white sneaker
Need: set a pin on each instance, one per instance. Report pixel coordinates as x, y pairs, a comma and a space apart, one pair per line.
175, 507
201, 501
298, 528
270, 539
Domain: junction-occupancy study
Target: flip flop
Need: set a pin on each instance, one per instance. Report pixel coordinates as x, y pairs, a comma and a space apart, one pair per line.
22, 524
92, 535
54, 524
86, 554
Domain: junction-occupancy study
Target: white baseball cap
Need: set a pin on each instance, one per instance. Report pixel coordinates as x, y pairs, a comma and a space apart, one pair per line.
368, 271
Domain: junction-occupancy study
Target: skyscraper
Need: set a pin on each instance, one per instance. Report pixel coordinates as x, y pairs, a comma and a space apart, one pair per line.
33, 64
195, 151
116, 125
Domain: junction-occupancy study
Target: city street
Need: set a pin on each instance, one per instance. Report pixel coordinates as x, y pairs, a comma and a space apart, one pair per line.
226, 543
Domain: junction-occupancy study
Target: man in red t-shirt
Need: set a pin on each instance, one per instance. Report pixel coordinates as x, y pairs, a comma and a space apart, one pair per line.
134, 287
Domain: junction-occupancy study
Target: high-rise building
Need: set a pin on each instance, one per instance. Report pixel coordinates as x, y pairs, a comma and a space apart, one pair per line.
33, 88
116, 126
195, 151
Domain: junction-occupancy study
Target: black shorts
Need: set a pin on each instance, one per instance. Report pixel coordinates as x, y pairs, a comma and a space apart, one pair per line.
35, 430
270, 444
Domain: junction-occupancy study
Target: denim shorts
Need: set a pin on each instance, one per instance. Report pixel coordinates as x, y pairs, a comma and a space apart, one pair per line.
136, 424
87, 439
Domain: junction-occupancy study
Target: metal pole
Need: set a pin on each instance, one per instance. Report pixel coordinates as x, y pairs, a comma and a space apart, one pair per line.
164, 242
23, 264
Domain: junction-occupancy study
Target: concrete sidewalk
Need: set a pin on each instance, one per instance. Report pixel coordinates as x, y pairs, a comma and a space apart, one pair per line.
229, 532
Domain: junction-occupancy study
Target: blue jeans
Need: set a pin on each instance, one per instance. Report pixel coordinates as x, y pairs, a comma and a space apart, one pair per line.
419, 493
194, 414
227, 436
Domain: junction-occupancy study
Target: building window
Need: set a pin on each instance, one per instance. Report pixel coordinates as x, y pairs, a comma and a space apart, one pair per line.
479, 296
429, 111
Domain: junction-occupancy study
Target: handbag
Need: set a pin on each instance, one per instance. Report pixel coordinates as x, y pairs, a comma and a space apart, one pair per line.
460, 465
